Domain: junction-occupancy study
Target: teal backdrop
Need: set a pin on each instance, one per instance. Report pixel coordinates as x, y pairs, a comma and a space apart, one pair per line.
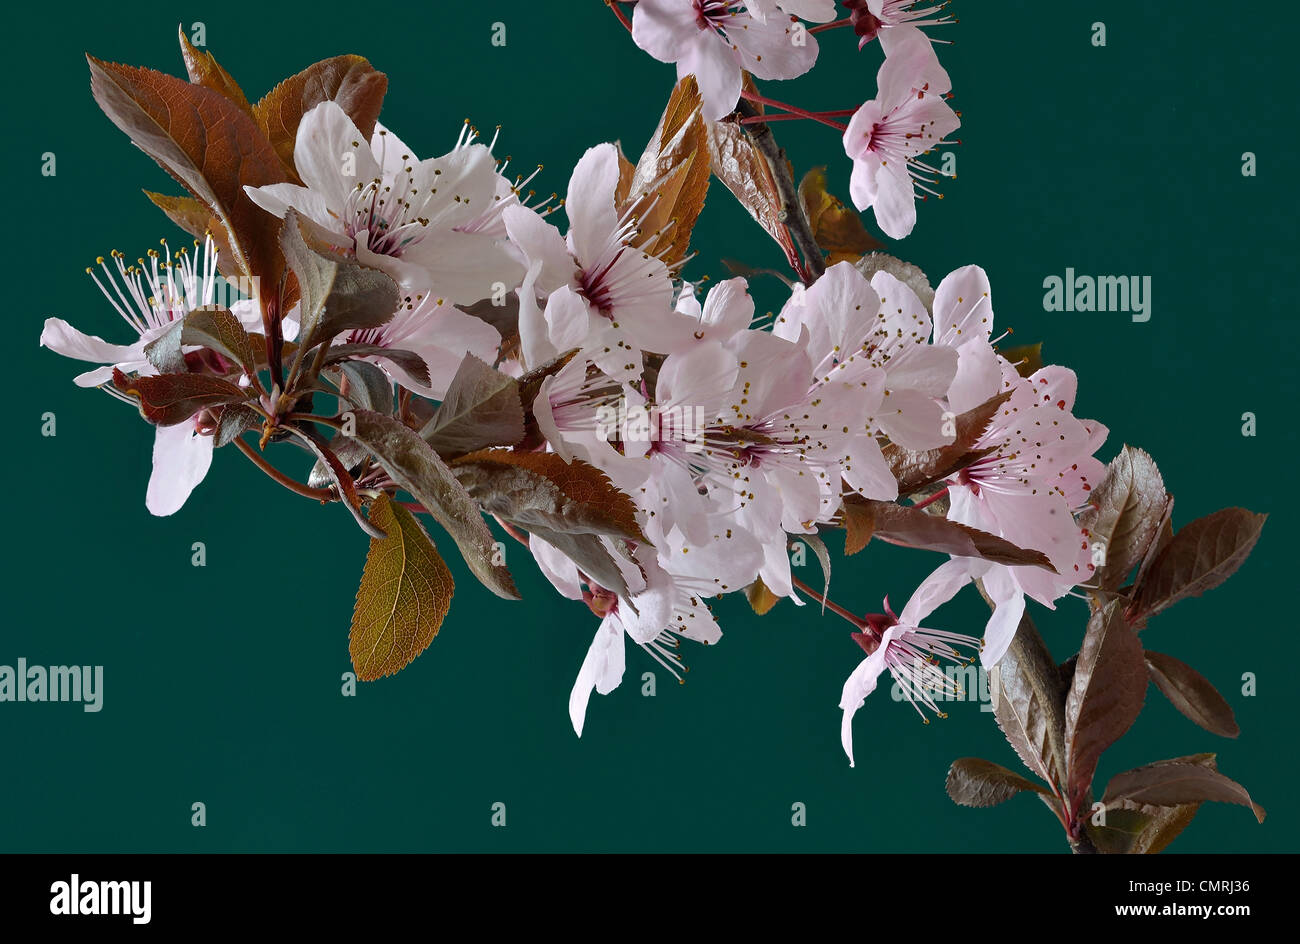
223, 683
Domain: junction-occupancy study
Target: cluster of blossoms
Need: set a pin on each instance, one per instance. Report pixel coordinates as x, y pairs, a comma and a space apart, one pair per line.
652, 442
718, 40
760, 432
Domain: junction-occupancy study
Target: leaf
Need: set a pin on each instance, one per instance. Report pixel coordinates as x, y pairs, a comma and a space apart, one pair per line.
1192, 694
368, 387
415, 467
836, 228
409, 361
569, 505
404, 595
918, 470
235, 420
208, 144
1124, 514
219, 330
1105, 696
667, 188
760, 598
203, 69
481, 409
1200, 557
1173, 783
859, 526
566, 496
1122, 832
332, 466
823, 558
349, 80
912, 527
168, 399
975, 782
337, 294
1028, 703
736, 161
164, 351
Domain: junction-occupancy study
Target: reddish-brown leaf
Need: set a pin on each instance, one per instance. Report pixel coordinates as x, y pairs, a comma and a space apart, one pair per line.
168, 399
912, 527
1124, 514
1105, 696
349, 80
1174, 783
204, 140
1200, 557
203, 69
976, 782
1191, 693
667, 187
917, 470
837, 228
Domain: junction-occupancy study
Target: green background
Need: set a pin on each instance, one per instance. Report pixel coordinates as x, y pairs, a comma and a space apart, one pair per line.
1117, 160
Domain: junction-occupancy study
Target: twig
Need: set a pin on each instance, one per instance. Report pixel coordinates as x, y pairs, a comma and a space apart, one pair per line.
792, 212
318, 494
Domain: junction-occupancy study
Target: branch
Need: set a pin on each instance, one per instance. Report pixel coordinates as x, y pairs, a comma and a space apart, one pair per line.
792, 210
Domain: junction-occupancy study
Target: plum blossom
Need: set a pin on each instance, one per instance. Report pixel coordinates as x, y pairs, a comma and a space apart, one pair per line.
419, 221
150, 296
890, 20
909, 651
715, 40
886, 136
875, 334
600, 292
435, 330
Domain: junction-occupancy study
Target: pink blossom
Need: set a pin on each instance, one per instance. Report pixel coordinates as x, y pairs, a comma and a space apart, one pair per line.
886, 136
715, 40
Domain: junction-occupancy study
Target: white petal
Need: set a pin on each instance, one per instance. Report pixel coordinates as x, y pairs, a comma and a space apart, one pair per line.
181, 458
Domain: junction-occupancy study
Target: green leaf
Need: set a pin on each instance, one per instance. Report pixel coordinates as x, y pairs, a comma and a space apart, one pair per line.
1105, 696
975, 782
337, 294
1124, 514
404, 595
1200, 557
481, 409
912, 527
1174, 783
415, 467
1192, 694
344, 486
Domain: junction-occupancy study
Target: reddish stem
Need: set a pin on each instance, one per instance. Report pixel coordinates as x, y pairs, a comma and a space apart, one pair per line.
932, 499
622, 17
833, 607
793, 109
318, 494
832, 25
